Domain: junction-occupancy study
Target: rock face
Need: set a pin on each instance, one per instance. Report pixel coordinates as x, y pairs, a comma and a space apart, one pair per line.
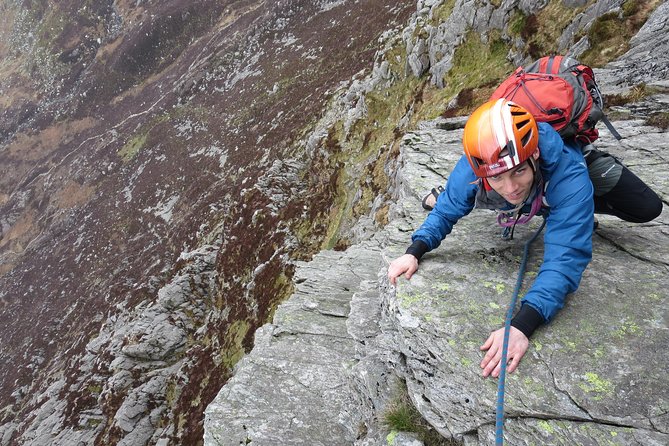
291, 388
586, 378
645, 58
322, 372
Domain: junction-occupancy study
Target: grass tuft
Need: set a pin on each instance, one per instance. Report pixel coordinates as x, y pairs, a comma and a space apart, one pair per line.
660, 120
402, 416
635, 94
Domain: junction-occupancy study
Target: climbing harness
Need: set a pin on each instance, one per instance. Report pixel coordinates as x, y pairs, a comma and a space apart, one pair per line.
499, 418
506, 219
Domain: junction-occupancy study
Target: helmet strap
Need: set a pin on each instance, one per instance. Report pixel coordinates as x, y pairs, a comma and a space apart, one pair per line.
486, 185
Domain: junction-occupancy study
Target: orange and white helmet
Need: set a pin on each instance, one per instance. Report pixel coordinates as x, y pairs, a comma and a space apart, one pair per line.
493, 127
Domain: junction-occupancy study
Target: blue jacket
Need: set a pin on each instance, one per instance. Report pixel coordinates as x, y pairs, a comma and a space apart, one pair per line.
568, 233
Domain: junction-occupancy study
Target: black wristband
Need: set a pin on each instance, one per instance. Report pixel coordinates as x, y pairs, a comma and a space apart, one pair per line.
527, 320
417, 249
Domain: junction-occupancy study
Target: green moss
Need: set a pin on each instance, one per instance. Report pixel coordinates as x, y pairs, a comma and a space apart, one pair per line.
610, 34
172, 393
390, 439
533, 386
605, 27
627, 328
442, 287
135, 144
476, 63
233, 351
132, 147
517, 22
656, 297
442, 12
338, 214
407, 300
397, 58
477, 67
542, 30
370, 142
93, 422
499, 287
95, 388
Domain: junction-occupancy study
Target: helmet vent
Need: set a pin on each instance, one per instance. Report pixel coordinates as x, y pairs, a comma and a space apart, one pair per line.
521, 124
508, 150
526, 138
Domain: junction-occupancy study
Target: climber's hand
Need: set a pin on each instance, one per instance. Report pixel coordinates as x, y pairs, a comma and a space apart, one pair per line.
406, 264
492, 361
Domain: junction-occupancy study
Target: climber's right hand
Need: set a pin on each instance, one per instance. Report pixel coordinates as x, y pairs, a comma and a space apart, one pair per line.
406, 264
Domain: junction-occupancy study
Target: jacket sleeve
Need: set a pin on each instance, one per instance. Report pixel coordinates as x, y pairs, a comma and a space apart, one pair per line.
456, 201
568, 237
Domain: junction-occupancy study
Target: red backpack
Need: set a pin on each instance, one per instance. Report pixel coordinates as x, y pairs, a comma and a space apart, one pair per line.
560, 91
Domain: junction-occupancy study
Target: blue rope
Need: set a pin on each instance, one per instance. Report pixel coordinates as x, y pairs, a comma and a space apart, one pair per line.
499, 418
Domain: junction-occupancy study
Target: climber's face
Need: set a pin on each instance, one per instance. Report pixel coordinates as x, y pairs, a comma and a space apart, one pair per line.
515, 184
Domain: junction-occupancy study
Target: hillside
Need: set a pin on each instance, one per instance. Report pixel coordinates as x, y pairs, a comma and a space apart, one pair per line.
150, 153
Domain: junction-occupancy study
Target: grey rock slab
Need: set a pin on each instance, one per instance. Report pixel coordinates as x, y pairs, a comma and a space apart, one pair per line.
294, 386
532, 431
404, 439
589, 367
289, 390
362, 320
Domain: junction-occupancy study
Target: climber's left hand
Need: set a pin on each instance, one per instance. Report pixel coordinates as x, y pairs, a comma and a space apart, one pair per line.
518, 344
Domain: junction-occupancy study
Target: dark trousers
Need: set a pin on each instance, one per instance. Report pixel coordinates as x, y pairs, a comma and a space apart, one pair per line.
619, 192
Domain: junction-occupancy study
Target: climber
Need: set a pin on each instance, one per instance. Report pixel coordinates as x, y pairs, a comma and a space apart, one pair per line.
522, 168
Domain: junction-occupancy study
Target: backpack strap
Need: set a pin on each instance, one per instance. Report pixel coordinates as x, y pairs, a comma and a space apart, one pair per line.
611, 128
553, 64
